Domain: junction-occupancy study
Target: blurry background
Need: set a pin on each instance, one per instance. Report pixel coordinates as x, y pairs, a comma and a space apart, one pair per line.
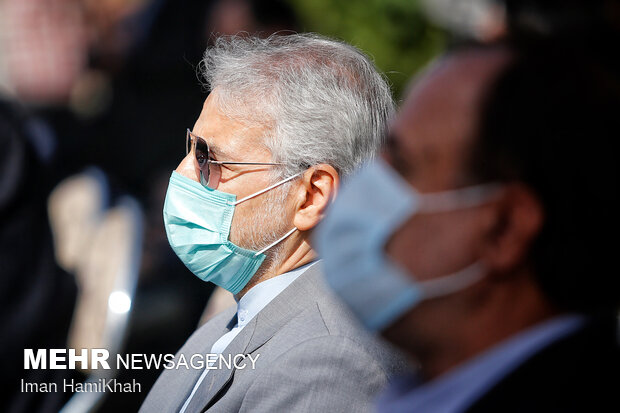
95, 96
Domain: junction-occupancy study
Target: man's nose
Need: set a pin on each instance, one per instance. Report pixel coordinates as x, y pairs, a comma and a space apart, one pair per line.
188, 169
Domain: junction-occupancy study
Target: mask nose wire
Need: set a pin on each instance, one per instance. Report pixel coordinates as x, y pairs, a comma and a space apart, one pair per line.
262, 191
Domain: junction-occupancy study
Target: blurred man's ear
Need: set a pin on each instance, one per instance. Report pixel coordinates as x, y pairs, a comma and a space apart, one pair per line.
519, 220
319, 185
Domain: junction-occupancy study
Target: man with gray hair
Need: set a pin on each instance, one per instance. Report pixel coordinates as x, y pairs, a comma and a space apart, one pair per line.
287, 118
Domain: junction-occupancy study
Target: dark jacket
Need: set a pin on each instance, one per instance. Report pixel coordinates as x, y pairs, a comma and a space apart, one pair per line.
579, 373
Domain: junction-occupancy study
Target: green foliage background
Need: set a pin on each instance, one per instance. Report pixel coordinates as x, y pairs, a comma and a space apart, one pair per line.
395, 33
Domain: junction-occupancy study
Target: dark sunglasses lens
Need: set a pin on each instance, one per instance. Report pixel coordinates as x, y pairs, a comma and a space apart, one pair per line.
210, 172
202, 155
215, 172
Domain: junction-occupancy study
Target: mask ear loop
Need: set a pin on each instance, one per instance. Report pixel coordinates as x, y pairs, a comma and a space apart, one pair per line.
452, 283
269, 188
276, 242
463, 198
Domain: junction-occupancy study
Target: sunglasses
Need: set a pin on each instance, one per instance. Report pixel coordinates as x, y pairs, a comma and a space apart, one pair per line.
210, 169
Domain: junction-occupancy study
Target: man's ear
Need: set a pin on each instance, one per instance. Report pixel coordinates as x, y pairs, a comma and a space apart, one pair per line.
519, 220
318, 188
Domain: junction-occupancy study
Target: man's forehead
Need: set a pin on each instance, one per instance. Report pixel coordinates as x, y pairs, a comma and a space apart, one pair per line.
456, 83
231, 136
463, 74
440, 113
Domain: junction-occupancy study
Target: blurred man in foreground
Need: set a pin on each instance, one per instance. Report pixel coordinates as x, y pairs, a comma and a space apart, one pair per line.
481, 250
287, 117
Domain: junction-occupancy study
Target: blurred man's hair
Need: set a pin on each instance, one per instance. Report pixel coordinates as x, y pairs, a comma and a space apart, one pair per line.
552, 121
575, 18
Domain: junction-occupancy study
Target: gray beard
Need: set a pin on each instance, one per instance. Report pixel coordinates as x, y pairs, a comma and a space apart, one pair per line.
264, 226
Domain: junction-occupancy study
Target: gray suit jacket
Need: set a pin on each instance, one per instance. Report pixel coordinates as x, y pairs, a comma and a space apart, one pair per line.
313, 357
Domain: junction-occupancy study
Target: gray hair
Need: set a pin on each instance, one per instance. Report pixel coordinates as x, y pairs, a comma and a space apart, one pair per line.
322, 101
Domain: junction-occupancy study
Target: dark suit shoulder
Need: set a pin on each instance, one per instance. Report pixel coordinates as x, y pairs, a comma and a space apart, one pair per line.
580, 372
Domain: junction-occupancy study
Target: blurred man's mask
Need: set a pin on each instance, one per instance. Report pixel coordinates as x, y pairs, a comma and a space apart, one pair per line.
373, 204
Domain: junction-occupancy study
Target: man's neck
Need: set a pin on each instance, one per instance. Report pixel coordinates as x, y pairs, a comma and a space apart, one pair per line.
503, 315
300, 256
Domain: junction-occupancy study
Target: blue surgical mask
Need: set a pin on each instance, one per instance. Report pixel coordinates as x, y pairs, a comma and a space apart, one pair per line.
351, 240
197, 221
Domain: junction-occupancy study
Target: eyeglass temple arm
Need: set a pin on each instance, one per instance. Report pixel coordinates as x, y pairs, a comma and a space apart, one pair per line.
243, 163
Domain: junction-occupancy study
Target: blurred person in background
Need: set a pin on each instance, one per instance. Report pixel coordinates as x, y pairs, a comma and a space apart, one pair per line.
490, 20
111, 80
287, 118
37, 295
571, 19
91, 71
486, 249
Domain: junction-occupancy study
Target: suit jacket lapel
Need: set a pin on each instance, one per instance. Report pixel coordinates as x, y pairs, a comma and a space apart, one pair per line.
290, 302
215, 329
257, 332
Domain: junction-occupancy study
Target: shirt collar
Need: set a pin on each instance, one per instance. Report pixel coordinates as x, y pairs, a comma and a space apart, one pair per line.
262, 293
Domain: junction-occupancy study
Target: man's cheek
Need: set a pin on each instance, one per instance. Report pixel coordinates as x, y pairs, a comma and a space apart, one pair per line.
413, 246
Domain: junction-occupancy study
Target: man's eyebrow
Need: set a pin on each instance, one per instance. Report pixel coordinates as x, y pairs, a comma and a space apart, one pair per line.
219, 153
391, 144
395, 152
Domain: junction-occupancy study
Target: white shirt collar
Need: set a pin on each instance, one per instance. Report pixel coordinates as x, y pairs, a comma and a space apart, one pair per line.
262, 293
